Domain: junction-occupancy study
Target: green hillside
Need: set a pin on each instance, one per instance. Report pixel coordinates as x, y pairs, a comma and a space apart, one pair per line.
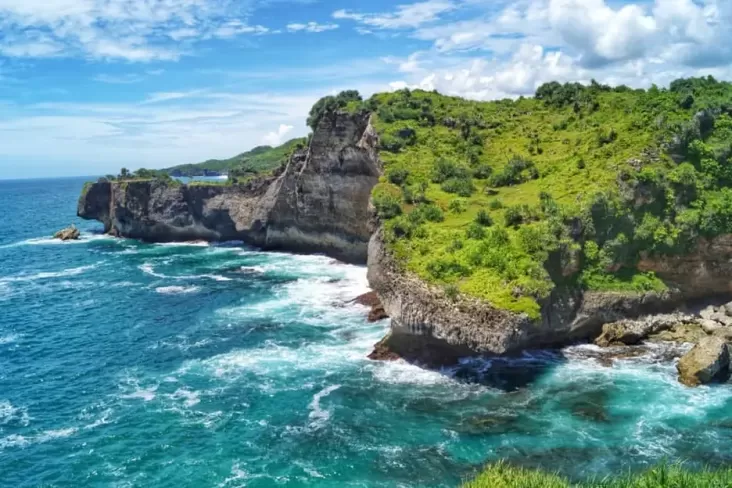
507, 200
258, 160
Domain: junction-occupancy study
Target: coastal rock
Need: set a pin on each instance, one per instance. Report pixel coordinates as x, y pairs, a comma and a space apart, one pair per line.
706, 362
632, 331
68, 234
371, 299
431, 328
318, 204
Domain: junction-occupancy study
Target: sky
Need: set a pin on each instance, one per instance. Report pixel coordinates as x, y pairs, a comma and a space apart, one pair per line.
89, 86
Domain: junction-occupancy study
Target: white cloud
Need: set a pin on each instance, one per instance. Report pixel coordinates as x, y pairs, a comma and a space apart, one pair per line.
125, 79
275, 138
311, 27
405, 16
132, 30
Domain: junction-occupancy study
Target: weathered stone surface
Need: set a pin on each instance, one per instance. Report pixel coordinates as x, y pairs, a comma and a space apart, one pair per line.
318, 204
68, 234
706, 362
633, 331
709, 326
708, 313
683, 333
722, 318
371, 299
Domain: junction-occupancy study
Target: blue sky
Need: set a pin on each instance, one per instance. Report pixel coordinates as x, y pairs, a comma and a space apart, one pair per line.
88, 86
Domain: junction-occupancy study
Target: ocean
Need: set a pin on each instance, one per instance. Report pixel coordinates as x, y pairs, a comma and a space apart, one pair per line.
194, 365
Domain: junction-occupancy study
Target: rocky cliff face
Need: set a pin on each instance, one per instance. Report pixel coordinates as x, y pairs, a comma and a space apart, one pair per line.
318, 204
429, 327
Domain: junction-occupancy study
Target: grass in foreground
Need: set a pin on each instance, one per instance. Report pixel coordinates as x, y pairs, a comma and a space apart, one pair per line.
501, 475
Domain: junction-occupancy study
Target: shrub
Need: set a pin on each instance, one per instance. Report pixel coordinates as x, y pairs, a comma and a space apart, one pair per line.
495, 205
330, 104
445, 169
475, 231
397, 176
516, 171
516, 215
483, 218
452, 292
387, 202
460, 186
457, 206
482, 172
606, 137
390, 143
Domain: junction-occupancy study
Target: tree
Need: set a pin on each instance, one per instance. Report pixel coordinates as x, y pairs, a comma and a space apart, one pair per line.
124, 173
330, 104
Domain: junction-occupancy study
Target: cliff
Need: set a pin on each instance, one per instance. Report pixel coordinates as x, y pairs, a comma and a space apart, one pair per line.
318, 204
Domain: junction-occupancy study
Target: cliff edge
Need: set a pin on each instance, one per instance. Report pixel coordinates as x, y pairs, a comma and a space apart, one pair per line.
318, 204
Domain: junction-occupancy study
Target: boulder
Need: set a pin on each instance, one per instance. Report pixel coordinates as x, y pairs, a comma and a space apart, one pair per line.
709, 326
722, 318
68, 234
629, 332
706, 362
708, 313
377, 313
727, 309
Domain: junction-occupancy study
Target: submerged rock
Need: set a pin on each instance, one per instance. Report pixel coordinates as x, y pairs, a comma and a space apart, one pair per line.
70, 233
706, 362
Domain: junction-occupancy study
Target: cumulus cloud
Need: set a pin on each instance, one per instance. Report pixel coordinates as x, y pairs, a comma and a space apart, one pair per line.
311, 27
275, 138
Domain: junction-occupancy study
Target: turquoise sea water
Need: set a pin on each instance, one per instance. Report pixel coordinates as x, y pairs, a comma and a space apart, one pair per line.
130, 364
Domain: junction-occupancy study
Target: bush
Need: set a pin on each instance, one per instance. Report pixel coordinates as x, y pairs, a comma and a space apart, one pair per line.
495, 205
483, 218
516, 215
445, 169
397, 176
387, 203
452, 292
482, 172
475, 231
460, 186
457, 206
606, 137
331, 104
518, 170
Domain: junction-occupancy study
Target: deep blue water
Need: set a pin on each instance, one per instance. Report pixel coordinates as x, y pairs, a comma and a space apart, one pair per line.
130, 364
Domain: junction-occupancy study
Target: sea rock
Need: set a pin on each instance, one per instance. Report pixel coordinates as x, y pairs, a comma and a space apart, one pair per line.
629, 332
682, 333
371, 299
706, 362
318, 204
708, 313
68, 234
722, 318
709, 326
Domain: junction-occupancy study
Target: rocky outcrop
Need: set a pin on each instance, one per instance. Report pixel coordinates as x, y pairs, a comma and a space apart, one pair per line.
429, 327
70, 233
318, 204
708, 361
629, 332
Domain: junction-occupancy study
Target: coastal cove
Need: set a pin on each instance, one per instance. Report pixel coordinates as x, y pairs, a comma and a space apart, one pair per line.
220, 365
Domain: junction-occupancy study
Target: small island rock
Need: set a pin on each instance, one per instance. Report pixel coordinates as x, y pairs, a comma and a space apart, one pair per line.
68, 234
706, 362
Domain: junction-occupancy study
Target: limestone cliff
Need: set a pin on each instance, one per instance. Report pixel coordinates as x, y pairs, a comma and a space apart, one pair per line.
318, 204
432, 328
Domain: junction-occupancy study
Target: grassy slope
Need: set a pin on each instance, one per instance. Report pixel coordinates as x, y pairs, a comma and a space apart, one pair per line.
579, 150
503, 476
258, 160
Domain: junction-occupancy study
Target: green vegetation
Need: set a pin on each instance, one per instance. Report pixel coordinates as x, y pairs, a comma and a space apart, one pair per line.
566, 189
332, 104
261, 159
501, 475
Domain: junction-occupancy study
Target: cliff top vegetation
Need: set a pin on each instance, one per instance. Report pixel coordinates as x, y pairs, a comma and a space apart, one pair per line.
261, 159
501, 475
510, 199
